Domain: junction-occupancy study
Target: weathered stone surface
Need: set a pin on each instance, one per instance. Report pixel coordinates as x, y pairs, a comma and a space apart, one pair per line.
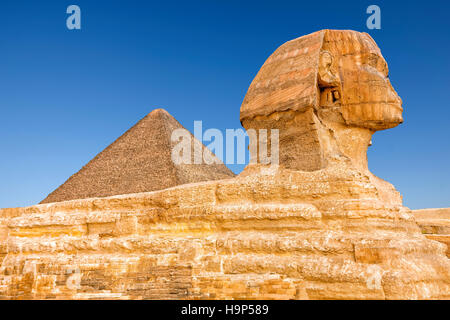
327, 93
139, 161
435, 224
276, 233
322, 227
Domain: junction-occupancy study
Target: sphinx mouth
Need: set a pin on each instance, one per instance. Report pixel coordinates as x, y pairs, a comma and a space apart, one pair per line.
395, 104
394, 110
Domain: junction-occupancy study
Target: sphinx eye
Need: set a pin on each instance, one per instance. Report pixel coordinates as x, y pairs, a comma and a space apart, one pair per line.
373, 60
378, 63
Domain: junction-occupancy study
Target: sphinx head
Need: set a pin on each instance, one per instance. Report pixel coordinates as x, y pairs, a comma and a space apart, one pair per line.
327, 93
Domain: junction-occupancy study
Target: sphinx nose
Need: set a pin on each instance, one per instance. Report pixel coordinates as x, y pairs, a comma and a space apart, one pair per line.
393, 96
396, 98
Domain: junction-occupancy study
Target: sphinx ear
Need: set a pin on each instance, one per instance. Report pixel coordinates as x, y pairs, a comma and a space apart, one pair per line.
327, 78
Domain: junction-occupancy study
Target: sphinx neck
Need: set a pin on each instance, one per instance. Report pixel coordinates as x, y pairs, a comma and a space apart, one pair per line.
349, 142
308, 143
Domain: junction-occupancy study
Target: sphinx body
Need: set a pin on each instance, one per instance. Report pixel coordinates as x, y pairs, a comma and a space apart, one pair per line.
317, 226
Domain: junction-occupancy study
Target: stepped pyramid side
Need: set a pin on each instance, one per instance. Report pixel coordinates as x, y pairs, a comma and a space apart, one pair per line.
138, 161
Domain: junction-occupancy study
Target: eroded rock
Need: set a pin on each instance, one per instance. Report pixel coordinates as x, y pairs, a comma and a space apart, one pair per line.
318, 226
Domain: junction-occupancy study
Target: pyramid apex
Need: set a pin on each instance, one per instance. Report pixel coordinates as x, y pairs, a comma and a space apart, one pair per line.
159, 111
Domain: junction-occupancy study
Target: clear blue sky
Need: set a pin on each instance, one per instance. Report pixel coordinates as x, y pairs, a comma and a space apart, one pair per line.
65, 95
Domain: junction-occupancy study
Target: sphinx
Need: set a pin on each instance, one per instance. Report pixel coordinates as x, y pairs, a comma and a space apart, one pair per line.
317, 226
327, 93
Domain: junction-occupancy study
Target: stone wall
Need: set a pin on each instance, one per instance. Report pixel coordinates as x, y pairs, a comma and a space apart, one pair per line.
269, 234
435, 224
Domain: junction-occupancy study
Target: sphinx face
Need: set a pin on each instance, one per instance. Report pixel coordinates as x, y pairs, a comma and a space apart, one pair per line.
368, 99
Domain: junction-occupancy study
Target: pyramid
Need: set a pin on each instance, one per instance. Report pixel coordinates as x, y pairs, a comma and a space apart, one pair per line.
138, 161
